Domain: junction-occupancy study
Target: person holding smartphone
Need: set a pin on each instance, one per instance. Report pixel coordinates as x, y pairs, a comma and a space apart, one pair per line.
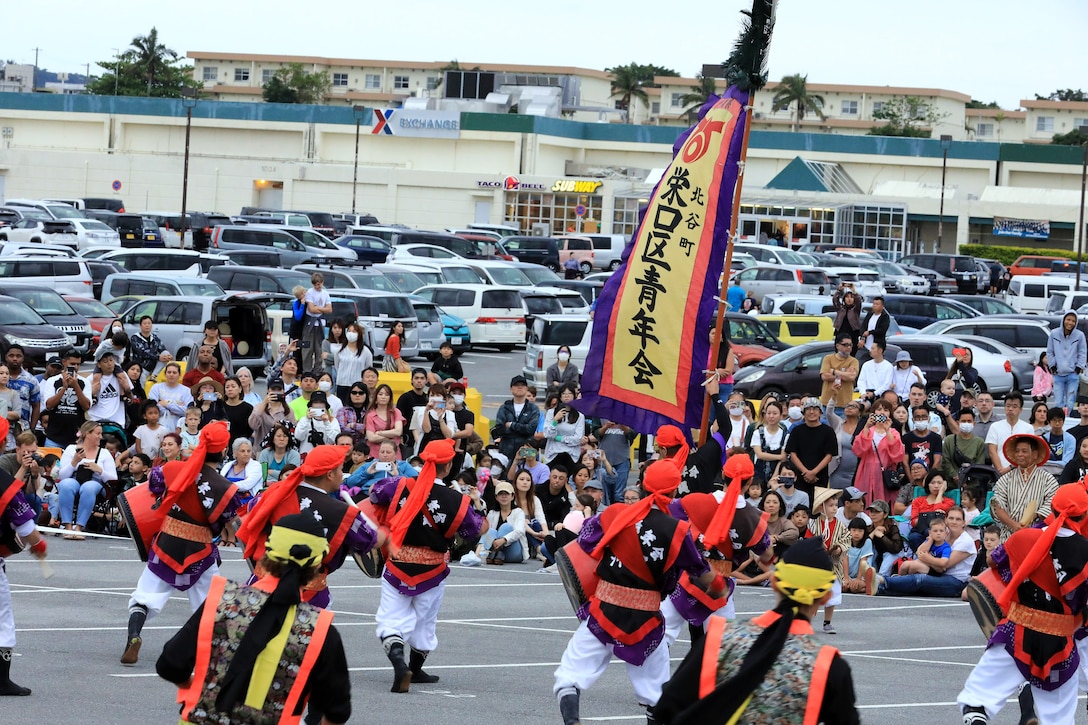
385, 465
784, 482
437, 422
318, 427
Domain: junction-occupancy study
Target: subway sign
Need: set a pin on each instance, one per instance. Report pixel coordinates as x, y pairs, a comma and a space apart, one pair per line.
577, 187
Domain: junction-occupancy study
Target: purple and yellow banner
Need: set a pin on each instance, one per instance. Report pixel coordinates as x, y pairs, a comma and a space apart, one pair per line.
650, 340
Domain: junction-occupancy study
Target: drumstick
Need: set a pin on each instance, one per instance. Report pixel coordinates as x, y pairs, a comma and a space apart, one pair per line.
1029, 513
47, 570
348, 500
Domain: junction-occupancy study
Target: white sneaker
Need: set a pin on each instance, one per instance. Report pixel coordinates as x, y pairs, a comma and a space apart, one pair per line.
471, 559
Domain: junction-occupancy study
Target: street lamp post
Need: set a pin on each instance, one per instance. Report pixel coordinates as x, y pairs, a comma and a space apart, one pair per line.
188, 100
358, 111
946, 143
116, 68
1083, 184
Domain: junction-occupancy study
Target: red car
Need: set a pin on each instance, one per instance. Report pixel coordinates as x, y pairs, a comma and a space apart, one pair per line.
98, 315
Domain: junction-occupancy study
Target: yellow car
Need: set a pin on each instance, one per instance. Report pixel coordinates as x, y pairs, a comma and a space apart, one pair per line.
799, 329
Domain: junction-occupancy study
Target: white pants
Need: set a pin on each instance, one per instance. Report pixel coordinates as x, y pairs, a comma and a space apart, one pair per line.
836, 595
7, 615
1082, 675
996, 678
153, 593
586, 658
674, 623
413, 619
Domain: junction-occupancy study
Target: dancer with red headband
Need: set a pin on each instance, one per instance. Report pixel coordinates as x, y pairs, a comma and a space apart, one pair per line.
642, 551
424, 517
183, 558
1046, 572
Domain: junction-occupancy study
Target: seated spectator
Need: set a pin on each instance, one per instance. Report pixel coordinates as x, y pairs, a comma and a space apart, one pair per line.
631, 495
859, 556
85, 469
991, 537
781, 530
785, 483
930, 574
67, 397
360, 454
204, 368
109, 392
933, 505
23, 463
243, 471
136, 473
170, 450
384, 466
884, 533
9, 407
318, 428
370, 380
555, 496
970, 497
278, 451
446, 366
219, 347
916, 478
527, 460
580, 478
352, 416
536, 525
504, 539
1062, 444
325, 385
173, 397
1077, 468
136, 398
566, 531
383, 420
800, 517
190, 431
148, 437
208, 395
595, 489
236, 410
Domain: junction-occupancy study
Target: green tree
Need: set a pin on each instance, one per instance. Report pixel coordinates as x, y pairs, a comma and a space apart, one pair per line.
146, 68
294, 84
1073, 138
628, 84
979, 104
792, 90
1064, 94
697, 96
907, 116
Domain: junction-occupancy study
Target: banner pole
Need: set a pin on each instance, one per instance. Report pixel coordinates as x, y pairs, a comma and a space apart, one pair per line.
719, 318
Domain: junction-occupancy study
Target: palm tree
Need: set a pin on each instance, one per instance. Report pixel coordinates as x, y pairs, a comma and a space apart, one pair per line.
627, 83
152, 56
794, 89
694, 100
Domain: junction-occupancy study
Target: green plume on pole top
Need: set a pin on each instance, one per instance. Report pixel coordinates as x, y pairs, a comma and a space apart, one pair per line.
746, 67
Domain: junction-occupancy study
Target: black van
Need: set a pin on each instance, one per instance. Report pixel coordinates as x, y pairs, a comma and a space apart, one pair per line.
114, 205
960, 267
537, 250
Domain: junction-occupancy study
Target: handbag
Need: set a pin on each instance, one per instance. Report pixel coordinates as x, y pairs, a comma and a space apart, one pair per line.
893, 477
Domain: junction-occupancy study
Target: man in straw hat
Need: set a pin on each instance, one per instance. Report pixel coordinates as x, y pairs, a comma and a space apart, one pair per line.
257, 653
424, 517
642, 552
1023, 494
312, 487
16, 520
772, 668
183, 558
1045, 571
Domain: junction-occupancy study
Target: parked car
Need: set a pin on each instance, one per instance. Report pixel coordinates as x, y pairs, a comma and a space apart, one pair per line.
405, 280
1028, 334
1031, 294
454, 328
939, 284
150, 284
21, 325
230, 237
179, 323
499, 272
537, 273
431, 329
959, 267
994, 370
467, 248
539, 301
377, 311
449, 272
99, 271
1022, 363
236, 279
607, 249
900, 279
413, 252
789, 304
548, 334
1033, 264
867, 283
989, 305
578, 248
53, 209
33, 230
350, 277
768, 254
367, 249
318, 241
537, 250
765, 279
495, 314
1060, 301
177, 261
750, 339
137, 231
99, 317
56, 311
917, 312
799, 329
63, 274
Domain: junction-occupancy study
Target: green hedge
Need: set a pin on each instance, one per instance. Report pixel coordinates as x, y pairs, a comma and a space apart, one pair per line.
1008, 255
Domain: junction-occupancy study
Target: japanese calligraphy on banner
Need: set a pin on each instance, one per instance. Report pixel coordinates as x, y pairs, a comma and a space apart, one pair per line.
650, 340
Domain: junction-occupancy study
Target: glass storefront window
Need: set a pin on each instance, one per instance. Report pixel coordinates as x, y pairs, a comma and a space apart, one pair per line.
526, 208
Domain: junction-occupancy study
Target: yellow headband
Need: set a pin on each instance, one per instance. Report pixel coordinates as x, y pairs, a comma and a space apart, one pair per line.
803, 584
282, 543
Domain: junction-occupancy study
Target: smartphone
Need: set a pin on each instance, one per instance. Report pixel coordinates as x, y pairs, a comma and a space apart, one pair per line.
527, 452
305, 343
959, 351
440, 406
70, 370
380, 466
276, 398
595, 454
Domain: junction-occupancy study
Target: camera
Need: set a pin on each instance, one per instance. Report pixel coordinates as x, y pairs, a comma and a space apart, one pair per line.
36, 457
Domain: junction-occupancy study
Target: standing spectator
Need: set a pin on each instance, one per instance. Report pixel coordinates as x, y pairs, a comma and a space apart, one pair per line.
237, 410
985, 417
437, 422
876, 374
1077, 468
270, 411
173, 399
318, 304
962, 449
25, 384
384, 466
136, 397
318, 427
847, 305
1002, 430
562, 371
85, 468
297, 327
1042, 381
564, 431
446, 366
878, 448
555, 497
781, 530
286, 369
245, 377
67, 398
332, 345
278, 450
811, 447
10, 407
208, 397
963, 369
735, 295
383, 420
147, 349
351, 360
219, 346
927, 507
887, 541
464, 418
846, 430
1066, 353
906, 374
876, 324
616, 439
1022, 495
392, 361
516, 420
108, 392
352, 417
921, 442
410, 403
307, 383
204, 368
769, 441
325, 385
839, 371
148, 436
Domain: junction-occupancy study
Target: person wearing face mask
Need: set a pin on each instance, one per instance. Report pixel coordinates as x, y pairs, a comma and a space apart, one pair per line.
921, 442
351, 360
735, 442
563, 371
838, 371
464, 418
962, 449
325, 385
318, 427
794, 414
878, 448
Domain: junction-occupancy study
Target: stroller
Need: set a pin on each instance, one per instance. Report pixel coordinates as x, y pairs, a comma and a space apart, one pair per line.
979, 476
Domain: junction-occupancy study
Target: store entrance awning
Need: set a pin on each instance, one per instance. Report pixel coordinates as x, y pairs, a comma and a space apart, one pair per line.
803, 175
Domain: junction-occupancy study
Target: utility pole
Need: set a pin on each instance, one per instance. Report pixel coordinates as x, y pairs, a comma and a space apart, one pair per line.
34, 81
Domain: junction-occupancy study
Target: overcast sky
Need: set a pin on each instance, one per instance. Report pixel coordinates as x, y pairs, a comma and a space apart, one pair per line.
1002, 50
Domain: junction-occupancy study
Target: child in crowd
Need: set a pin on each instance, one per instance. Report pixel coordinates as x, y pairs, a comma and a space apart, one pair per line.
936, 545
836, 538
446, 366
1042, 382
359, 453
947, 401
800, 519
858, 557
755, 492
149, 435
190, 431
139, 466
50, 465
991, 537
969, 498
